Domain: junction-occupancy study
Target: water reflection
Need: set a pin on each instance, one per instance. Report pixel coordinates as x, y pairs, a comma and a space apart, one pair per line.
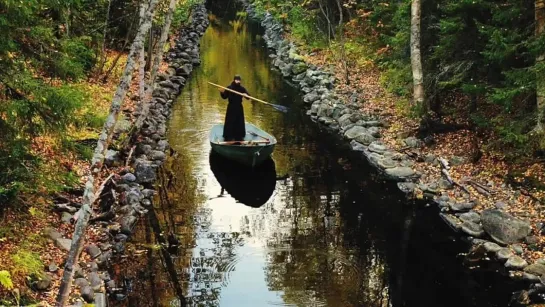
330, 234
252, 187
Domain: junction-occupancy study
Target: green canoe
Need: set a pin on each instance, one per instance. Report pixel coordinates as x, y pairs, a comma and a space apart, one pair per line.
257, 146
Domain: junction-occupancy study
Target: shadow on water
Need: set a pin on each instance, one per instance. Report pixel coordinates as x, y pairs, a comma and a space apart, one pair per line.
329, 234
250, 186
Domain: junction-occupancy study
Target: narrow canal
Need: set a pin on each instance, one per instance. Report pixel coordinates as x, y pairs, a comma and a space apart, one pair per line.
314, 226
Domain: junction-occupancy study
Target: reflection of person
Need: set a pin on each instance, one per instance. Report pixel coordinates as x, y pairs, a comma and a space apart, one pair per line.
234, 128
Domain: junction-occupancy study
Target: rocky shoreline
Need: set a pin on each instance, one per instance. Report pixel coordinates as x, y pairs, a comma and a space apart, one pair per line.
128, 195
493, 233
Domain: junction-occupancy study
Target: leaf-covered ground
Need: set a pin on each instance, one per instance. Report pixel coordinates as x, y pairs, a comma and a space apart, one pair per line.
522, 195
24, 228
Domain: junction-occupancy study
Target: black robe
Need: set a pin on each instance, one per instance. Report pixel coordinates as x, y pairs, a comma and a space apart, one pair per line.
234, 128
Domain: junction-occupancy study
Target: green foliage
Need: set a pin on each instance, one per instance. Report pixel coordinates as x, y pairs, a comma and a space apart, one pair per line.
27, 263
84, 152
303, 27
75, 60
397, 78
16, 163
41, 40
477, 50
182, 13
5, 280
49, 109
304, 24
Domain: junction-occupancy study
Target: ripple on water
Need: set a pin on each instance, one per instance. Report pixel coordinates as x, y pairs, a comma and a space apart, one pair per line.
213, 268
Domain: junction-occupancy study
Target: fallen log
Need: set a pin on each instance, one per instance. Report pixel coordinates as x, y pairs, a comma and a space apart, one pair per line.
454, 182
64, 208
527, 193
106, 216
409, 152
104, 183
130, 156
480, 188
444, 163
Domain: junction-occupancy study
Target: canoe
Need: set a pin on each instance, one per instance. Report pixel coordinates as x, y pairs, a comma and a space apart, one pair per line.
251, 186
256, 147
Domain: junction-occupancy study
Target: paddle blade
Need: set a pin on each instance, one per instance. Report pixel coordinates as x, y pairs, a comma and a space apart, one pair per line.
280, 108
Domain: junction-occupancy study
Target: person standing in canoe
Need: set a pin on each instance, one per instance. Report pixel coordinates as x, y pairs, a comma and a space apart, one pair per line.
234, 128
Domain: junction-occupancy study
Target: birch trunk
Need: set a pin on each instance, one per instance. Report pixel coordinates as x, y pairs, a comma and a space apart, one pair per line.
416, 61
141, 77
151, 38
156, 62
540, 79
141, 61
98, 157
326, 15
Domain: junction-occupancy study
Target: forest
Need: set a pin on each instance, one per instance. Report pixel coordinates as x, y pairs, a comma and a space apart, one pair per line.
467, 75
60, 64
473, 64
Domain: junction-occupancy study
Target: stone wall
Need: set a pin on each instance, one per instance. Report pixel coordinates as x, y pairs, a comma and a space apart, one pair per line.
129, 194
493, 233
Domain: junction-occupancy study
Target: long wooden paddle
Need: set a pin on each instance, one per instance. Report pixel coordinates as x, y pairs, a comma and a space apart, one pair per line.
275, 106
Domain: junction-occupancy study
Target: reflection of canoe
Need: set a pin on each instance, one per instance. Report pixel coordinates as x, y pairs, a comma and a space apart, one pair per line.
250, 186
257, 146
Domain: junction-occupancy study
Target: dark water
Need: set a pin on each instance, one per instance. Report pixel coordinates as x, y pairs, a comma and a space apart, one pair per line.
312, 227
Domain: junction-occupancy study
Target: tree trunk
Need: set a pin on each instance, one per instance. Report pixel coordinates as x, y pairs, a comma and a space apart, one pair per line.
67, 21
141, 61
155, 67
416, 61
326, 15
141, 76
473, 105
98, 157
103, 56
540, 79
114, 63
150, 48
331, 27
341, 37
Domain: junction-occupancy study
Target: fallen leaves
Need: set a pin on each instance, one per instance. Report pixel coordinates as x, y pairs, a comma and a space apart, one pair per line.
27, 228
492, 169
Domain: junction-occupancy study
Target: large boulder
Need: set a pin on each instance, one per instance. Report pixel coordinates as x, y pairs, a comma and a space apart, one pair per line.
503, 227
345, 120
365, 139
537, 269
40, 283
311, 97
400, 173
353, 132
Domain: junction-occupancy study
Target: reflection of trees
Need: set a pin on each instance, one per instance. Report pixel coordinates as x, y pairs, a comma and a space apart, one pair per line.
330, 230
212, 262
312, 258
159, 275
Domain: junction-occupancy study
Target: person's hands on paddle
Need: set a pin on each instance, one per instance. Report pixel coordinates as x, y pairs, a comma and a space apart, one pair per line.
277, 107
